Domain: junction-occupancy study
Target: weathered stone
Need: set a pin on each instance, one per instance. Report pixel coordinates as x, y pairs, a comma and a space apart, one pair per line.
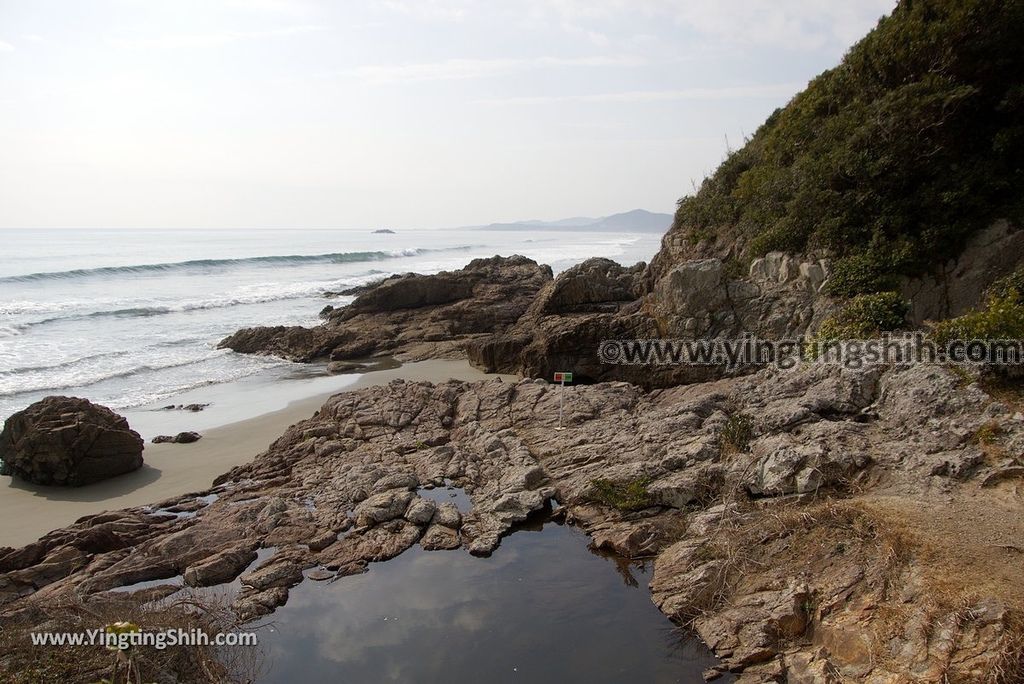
221, 567
420, 511
251, 605
447, 515
377, 544
275, 573
68, 441
439, 537
180, 438
382, 507
410, 317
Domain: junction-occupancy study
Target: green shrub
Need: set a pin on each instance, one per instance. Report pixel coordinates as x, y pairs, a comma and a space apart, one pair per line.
873, 270
892, 159
625, 496
1002, 318
1008, 286
859, 274
734, 269
865, 316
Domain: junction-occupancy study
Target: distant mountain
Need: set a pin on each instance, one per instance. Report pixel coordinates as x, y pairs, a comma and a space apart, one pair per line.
636, 221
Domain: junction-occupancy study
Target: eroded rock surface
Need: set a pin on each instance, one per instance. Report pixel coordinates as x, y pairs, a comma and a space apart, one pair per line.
779, 552
779, 297
411, 317
68, 441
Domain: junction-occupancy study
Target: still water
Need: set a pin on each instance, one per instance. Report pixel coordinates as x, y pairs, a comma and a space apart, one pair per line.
542, 608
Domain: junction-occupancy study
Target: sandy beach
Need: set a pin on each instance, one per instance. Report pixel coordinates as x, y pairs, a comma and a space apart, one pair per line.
28, 512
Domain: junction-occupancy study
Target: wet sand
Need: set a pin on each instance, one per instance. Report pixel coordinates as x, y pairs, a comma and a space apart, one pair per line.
27, 511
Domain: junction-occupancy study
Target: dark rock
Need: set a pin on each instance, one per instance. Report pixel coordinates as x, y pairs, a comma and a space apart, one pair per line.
186, 407
411, 317
68, 441
294, 343
180, 438
339, 367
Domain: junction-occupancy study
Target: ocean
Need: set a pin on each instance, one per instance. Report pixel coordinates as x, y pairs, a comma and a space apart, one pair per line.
130, 319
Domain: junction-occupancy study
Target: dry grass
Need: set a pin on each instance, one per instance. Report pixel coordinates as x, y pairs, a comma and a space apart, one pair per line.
23, 663
989, 438
751, 544
735, 435
1010, 391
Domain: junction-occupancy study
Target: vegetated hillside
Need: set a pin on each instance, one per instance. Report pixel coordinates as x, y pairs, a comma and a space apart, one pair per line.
890, 160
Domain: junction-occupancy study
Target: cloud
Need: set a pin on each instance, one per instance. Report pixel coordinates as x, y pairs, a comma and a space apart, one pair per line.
454, 69
6, 47
787, 24
792, 24
444, 10
215, 39
726, 93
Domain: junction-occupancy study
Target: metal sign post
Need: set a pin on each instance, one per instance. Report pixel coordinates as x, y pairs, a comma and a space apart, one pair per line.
562, 377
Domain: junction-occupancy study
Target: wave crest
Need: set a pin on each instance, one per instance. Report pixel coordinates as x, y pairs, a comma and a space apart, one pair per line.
199, 264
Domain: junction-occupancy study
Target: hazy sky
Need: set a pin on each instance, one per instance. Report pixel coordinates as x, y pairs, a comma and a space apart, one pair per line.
402, 113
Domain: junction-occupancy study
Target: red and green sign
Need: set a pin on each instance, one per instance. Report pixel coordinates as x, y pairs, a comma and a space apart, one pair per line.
563, 377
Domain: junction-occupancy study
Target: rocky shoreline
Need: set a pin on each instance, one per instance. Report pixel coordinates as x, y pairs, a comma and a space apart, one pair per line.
811, 526
832, 458
821, 524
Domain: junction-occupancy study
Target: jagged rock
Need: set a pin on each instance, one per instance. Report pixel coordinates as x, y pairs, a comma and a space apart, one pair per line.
780, 298
785, 465
447, 515
251, 605
750, 629
396, 481
362, 455
180, 438
68, 441
351, 554
596, 284
420, 511
410, 317
294, 343
438, 537
221, 567
275, 573
383, 507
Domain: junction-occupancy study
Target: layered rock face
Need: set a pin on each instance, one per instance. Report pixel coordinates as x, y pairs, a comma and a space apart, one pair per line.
689, 294
779, 298
68, 441
411, 317
786, 544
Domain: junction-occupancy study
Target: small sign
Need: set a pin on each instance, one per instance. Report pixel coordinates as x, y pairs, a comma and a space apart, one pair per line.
563, 377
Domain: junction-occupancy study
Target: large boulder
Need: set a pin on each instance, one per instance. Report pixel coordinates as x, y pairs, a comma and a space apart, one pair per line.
68, 441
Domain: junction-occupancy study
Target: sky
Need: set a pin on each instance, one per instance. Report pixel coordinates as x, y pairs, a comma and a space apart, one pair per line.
396, 113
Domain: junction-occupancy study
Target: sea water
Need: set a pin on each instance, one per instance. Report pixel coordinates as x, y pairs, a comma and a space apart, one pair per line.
128, 318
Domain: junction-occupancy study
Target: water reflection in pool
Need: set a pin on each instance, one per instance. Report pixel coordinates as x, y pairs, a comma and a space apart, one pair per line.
541, 609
